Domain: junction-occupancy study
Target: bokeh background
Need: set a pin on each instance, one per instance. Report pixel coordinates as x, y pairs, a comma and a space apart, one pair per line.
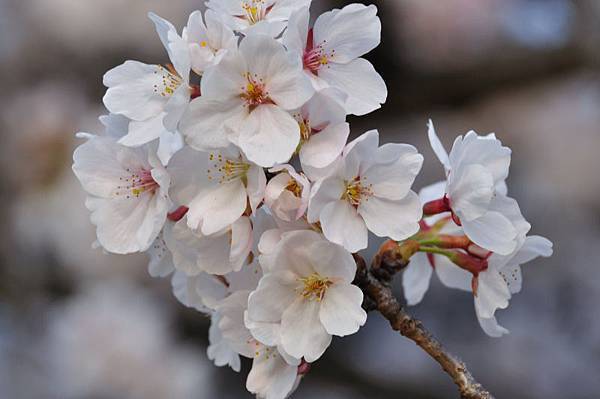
76, 323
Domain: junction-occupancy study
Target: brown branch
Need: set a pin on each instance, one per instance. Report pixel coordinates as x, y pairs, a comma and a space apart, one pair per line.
379, 296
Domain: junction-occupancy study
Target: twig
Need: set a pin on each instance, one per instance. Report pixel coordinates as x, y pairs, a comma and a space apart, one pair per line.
379, 296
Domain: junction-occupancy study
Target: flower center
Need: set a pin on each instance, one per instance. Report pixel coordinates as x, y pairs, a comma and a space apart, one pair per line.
357, 191
136, 183
314, 287
170, 80
316, 57
224, 170
294, 187
255, 92
255, 11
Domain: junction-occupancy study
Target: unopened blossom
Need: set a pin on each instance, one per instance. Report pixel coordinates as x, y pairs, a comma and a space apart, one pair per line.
246, 101
219, 253
256, 16
208, 42
331, 53
477, 168
369, 190
307, 289
127, 192
323, 131
218, 187
153, 97
287, 193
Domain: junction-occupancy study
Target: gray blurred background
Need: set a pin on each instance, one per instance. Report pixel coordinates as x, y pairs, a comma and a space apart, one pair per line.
78, 324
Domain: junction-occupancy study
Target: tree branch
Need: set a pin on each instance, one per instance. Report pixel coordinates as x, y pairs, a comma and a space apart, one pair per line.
379, 296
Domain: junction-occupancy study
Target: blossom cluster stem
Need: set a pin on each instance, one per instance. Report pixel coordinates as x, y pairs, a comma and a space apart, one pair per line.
379, 296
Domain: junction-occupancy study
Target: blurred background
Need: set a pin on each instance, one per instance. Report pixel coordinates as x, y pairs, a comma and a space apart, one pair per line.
76, 323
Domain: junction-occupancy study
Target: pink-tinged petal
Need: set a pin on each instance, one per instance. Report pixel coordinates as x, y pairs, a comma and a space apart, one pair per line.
365, 88
341, 310
302, 333
416, 278
397, 219
342, 225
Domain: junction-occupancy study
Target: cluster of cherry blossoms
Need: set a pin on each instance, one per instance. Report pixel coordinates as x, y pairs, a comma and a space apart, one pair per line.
230, 168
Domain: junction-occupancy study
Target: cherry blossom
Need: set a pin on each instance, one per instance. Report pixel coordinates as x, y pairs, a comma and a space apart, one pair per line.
477, 168
257, 16
331, 53
369, 190
208, 42
217, 187
287, 193
245, 101
308, 290
153, 97
127, 192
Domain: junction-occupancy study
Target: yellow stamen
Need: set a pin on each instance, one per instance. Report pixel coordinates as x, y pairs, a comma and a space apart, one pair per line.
315, 287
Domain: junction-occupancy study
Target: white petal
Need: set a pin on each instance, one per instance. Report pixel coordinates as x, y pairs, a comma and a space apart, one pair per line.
324, 147
270, 136
333, 261
397, 219
365, 88
135, 90
352, 32
203, 123
161, 262
271, 377
184, 169
302, 333
533, 247
393, 180
491, 327
341, 310
217, 208
493, 231
142, 132
257, 184
324, 192
416, 278
241, 242
270, 299
470, 189
451, 275
437, 146
342, 225
492, 293
294, 37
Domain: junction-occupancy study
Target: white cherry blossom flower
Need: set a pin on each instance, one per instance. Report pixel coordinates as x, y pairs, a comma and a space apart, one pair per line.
127, 193
323, 131
369, 190
308, 290
217, 187
161, 261
331, 53
203, 292
153, 97
246, 101
257, 16
287, 193
219, 253
477, 168
208, 42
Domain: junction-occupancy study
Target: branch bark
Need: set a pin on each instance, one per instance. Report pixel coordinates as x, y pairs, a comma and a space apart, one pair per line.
374, 282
